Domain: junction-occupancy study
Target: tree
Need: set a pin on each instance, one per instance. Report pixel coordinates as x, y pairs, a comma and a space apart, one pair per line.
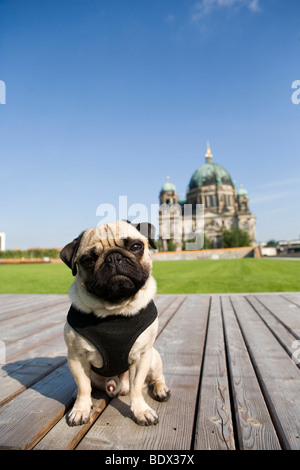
206, 243
171, 246
235, 237
158, 245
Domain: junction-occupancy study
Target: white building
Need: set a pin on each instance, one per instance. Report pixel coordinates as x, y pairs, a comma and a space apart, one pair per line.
2, 241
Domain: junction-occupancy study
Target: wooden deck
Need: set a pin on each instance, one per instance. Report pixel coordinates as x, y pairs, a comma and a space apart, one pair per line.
227, 359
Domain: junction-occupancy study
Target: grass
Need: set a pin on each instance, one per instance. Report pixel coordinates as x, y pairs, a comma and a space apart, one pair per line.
35, 279
222, 276
203, 276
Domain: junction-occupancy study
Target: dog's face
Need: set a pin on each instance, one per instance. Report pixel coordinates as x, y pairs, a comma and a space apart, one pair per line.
112, 261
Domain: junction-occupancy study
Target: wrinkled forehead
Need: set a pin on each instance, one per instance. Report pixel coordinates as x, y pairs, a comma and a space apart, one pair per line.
113, 234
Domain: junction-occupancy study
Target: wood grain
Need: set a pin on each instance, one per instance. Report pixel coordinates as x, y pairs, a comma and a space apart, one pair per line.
27, 418
214, 428
227, 359
255, 428
278, 376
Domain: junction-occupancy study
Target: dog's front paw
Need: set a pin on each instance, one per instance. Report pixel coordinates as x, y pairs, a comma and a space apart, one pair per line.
78, 416
145, 417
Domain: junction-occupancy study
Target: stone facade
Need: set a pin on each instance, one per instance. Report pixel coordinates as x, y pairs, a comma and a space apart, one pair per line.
225, 207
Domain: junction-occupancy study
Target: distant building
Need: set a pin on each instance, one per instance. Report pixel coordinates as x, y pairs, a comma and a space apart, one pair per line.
225, 207
289, 247
267, 250
2, 241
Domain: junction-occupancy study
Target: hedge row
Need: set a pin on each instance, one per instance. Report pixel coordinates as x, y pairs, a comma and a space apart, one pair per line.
30, 254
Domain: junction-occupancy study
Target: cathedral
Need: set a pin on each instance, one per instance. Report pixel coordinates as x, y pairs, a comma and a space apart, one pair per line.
224, 206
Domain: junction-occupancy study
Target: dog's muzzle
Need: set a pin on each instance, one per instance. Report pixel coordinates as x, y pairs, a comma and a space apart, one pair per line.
118, 278
114, 260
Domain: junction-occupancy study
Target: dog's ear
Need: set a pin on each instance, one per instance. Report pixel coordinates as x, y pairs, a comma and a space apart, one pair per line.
68, 253
148, 230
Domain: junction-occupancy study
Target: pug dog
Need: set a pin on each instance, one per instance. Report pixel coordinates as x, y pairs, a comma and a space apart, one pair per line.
112, 322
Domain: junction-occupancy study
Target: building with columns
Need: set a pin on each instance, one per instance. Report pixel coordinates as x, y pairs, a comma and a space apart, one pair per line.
225, 207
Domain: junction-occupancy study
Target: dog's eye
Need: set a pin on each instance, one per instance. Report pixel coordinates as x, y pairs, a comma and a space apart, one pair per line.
87, 261
136, 246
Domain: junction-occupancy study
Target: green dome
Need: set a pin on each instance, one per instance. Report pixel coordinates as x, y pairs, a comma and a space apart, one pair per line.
168, 187
242, 192
210, 173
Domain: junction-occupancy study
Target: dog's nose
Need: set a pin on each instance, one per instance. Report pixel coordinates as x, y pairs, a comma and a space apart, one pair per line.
114, 258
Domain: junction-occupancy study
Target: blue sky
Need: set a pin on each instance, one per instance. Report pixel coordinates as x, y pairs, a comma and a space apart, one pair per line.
105, 98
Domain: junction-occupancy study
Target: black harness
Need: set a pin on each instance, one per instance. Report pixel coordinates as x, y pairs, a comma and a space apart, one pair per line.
113, 336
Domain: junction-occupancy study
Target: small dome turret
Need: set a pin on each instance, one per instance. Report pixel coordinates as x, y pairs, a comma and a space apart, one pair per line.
168, 186
242, 191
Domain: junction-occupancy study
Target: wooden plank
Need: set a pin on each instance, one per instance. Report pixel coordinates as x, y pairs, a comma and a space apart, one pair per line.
43, 310
181, 343
65, 437
19, 375
181, 346
27, 304
214, 428
292, 297
167, 313
287, 312
282, 334
162, 301
11, 301
115, 428
28, 309
34, 326
15, 350
277, 374
255, 430
33, 329
27, 418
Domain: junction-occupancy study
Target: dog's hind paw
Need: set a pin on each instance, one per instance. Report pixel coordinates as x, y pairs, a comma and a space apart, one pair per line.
161, 392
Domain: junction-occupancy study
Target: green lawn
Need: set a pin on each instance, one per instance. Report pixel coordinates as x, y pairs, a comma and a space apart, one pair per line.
203, 276
35, 279
234, 275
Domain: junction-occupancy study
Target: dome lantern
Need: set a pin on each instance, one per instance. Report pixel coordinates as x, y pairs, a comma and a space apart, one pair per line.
208, 155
